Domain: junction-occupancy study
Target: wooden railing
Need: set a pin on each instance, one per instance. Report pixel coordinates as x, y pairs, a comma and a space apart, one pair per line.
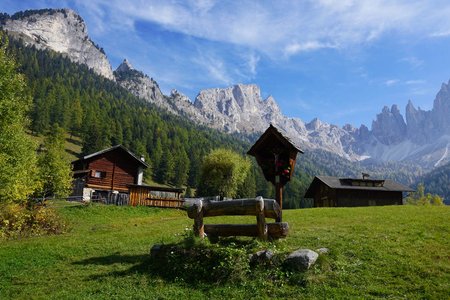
160, 202
257, 207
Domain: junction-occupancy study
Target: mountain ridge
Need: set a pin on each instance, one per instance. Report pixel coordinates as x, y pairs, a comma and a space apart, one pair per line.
423, 138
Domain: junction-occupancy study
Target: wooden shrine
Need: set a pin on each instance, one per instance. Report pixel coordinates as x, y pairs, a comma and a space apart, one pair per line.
276, 155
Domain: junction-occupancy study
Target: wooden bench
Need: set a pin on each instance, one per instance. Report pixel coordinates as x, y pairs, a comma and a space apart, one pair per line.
258, 207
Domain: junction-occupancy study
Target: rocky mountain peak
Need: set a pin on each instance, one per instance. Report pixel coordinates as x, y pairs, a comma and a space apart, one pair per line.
441, 108
315, 124
125, 66
60, 30
389, 126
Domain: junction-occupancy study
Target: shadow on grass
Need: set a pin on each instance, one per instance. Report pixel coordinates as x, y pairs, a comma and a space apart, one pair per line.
74, 141
113, 259
71, 152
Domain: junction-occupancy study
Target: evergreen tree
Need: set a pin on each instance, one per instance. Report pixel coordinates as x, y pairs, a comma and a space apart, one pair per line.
55, 169
181, 168
18, 161
76, 117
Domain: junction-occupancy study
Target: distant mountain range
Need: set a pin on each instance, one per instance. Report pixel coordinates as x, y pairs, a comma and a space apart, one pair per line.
423, 138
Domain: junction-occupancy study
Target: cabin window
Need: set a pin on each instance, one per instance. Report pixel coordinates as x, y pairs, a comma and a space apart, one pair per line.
99, 174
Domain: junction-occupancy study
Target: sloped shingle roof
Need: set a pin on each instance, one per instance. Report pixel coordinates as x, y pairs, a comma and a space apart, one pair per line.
111, 149
340, 183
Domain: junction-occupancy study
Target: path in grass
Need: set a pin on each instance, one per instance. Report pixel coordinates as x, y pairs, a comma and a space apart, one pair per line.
397, 251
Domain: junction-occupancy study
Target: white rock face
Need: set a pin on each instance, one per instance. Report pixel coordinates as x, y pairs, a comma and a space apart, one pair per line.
240, 108
139, 84
237, 109
63, 31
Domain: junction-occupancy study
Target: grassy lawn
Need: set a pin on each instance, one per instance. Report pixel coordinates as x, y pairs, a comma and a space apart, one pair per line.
375, 252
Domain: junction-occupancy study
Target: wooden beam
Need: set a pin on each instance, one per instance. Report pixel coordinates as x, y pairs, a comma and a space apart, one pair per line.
199, 228
244, 207
274, 230
261, 219
279, 197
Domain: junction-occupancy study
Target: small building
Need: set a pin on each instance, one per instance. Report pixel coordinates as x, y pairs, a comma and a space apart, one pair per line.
276, 154
107, 172
330, 191
115, 176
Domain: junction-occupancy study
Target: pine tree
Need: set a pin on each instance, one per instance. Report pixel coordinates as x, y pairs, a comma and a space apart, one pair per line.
55, 169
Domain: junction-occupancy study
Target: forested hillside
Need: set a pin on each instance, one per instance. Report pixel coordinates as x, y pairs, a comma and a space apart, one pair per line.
437, 182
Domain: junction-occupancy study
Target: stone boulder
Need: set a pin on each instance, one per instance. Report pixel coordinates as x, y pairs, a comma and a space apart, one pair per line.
301, 259
261, 257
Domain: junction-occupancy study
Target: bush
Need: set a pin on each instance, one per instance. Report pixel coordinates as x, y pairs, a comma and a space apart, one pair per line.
28, 220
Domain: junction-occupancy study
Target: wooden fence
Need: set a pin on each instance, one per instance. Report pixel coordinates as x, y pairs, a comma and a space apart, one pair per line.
160, 202
155, 196
257, 207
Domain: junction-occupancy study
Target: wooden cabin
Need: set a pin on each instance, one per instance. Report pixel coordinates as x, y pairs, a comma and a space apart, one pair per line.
115, 175
330, 191
106, 172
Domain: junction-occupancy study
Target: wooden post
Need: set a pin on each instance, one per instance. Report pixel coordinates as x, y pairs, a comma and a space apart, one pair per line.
261, 219
279, 196
199, 228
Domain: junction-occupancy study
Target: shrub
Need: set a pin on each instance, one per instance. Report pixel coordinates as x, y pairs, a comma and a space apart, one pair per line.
18, 220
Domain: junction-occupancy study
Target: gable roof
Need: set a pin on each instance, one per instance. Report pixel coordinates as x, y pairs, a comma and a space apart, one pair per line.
131, 154
342, 184
280, 134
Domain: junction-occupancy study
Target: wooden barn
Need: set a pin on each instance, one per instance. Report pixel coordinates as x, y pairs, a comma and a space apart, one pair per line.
330, 191
112, 175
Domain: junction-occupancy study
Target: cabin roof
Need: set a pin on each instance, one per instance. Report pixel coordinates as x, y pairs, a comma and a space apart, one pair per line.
131, 154
278, 133
384, 185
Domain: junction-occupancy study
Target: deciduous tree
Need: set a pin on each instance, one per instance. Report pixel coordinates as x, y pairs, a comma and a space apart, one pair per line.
18, 161
222, 172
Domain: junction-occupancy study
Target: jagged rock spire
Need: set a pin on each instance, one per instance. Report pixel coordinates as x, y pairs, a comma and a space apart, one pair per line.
124, 66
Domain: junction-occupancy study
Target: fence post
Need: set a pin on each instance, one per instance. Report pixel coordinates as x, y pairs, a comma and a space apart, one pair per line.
261, 219
199, 228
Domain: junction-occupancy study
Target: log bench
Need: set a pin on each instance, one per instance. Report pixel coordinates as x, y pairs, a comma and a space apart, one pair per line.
258, 207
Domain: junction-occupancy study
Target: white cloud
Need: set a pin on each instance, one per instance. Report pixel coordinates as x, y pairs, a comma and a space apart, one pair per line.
415, 82
214, 67
295, 48
413, 61
277, 27
440, 34
391, 82
252, 63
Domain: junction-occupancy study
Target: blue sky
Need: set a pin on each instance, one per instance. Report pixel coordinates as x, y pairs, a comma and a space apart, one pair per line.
340, 61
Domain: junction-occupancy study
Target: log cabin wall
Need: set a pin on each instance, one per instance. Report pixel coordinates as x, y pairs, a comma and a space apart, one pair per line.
325, 196
348, 198
112, 171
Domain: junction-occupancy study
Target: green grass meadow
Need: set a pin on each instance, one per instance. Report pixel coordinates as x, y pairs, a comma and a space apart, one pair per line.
398, 252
